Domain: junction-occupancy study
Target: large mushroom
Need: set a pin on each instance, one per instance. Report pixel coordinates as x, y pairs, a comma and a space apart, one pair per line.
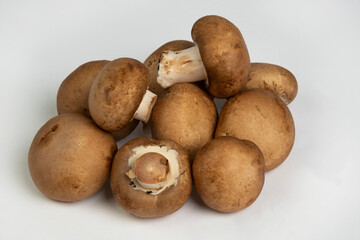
220, 56
186, 115
119, 94
151, 178
70, 157
262, 117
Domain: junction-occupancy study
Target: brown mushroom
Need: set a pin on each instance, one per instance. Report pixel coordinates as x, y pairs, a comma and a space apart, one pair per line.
152, 62
73, 93
273, 78
228, 173
151, 178
262, 117
186, 115
220, 56
70, 157
119, 94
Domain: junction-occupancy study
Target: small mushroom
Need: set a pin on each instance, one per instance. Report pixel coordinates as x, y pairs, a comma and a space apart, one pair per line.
228, 173
186, 115
119, 94
152, 62
73, 93
151, 178
273, 78
70, 157
262, 117
220, 56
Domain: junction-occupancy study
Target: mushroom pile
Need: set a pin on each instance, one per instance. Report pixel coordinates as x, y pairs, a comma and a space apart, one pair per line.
224, 157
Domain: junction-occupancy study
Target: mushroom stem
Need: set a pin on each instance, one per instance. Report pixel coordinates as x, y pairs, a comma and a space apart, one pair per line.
144, 110
180, 66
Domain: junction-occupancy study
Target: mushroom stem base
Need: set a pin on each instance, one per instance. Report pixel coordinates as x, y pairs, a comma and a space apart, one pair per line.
180, 66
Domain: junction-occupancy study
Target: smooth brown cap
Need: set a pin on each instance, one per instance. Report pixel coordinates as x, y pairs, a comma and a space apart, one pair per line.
117, 92
73, 93
70, 157
262, 117
224, 55
228, 173
152, 62
140, 203
186, 115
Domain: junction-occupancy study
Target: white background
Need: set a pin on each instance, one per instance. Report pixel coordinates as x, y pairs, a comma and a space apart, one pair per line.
314, 194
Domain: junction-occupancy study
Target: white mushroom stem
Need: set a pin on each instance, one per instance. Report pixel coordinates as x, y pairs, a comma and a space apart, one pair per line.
180, 66
144, 110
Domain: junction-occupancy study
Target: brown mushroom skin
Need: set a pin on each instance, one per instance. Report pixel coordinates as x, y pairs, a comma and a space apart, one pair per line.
152, 62
125, 131
273, 78
73, 93
145, 205
117, 92
262, 117
70, 157
186, 115
224, 54
228, 173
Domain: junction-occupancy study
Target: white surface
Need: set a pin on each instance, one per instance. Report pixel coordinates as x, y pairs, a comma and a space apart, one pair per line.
314, 195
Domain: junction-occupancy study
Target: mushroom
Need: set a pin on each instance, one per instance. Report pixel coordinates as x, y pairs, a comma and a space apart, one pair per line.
220, 56
73, 93
70, 157
262, 117
151, 178
152, 62
273, 78
119, 94
186, 115
228, 173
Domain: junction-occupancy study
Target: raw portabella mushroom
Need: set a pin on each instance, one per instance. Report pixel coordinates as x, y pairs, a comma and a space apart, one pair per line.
73, 93
70, 157
228, 173
220, 56
119, 94
152, 62
262, 117
186, 115
273, 78
151, 178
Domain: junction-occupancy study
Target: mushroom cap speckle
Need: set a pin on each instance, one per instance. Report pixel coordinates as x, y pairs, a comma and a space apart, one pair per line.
70, 157
186, 115
263, 118
140, 203
152, 62
224, 55
228, 173
117, 92
73, 93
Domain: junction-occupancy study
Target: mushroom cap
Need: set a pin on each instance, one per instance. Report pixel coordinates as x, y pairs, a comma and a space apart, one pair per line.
224, 55
263, 118
73, 93
152, 62
186, 115
140, 203
117, 93
273, 78
70, 157
228, 173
